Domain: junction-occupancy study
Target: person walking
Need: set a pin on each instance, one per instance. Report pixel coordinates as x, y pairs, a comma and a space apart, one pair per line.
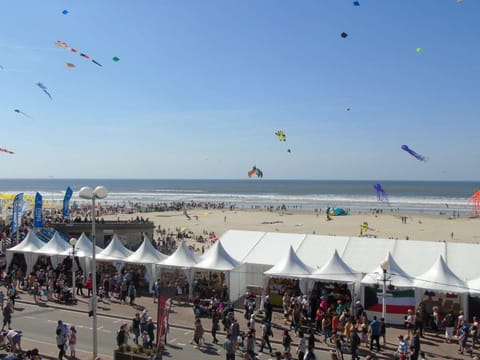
7, 315
132, 293
375, 332
302, 345
72, 342
89, 284
215, 325
266, 332
150, 331
354, 343
229, 347
136, 327
60, 344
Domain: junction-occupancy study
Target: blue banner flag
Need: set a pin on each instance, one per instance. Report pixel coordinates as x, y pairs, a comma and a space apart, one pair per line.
17, 206
37, 214
66, 200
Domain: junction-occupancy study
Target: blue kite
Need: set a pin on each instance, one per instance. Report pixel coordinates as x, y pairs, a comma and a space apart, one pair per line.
381, 194
414, 154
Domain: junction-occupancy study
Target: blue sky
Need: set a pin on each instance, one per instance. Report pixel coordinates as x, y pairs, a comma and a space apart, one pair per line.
202, 86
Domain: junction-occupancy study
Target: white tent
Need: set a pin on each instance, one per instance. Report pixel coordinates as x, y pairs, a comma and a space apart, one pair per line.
397, 276
291, 267
27, 247
474, 287
54, 248
336, 270
83, 248
440, 278
115, 251
146, 254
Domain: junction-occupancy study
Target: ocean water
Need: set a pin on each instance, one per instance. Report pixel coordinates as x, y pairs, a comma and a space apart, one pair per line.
431, 197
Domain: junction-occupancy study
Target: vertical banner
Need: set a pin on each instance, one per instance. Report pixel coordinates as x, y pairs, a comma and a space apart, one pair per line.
17, 205
37, 213
66, 201
163, 310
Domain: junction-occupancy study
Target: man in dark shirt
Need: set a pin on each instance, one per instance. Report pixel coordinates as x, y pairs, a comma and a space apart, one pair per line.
375, 331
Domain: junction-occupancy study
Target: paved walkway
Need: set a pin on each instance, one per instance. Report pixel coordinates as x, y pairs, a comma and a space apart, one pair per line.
182, 316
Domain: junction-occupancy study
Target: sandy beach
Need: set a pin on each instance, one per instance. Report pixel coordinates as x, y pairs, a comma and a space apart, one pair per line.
384, 225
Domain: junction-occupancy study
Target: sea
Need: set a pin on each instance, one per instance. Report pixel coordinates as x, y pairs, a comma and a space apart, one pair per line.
429, 197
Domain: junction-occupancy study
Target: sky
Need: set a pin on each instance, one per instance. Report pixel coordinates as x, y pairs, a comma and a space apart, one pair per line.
202, 86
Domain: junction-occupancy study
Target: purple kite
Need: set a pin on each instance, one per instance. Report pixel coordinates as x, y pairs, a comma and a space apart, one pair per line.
413, 153
381, 194
44, 88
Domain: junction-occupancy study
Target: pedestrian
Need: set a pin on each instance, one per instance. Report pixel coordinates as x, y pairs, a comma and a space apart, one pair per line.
415, 345
132, 293
12, 294
2, 299
229, 347
354, 343
136, 327
251, 344
474, 331
286, 341
15, 340
215, 325
122, 335
268, 308
60, 344
266, 331
462, 336
449, 326
375, 332
302, 346
150, 331
89, 284
72, 342
402, 349
7, 315
337, 340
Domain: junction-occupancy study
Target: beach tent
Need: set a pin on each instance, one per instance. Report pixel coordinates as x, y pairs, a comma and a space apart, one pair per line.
27, 247
335, 270
148, 256
293, 268
115, 252
54, 249
182, 258
440, 278
217, 259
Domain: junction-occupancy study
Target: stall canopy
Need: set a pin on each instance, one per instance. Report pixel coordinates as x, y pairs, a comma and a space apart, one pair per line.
54, 248
398, 277
28, 246
146, 254
336, 270
290, 267
83, 248
114, 251
440, 278
217, 259
474, 287
182, 257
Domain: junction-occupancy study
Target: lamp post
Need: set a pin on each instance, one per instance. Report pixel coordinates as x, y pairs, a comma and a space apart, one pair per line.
73, 242
100, 192
384, 265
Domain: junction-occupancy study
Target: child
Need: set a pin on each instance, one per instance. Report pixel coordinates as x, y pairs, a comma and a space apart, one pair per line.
72, 341
145, 340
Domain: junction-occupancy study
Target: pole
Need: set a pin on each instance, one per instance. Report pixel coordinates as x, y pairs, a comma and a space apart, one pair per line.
18, 224
94, 282
73, 273
384, 293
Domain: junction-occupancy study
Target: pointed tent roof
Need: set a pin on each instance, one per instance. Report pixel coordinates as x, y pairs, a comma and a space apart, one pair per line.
218, 259
30, 243
114, 251
398, 277
83, 248
55, 246
440, 278
146, 254
290, 267
336, 270
474, 287
182, 257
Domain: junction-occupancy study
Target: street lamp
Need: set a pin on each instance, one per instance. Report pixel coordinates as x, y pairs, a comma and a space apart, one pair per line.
385, 266
100, 192
73, 242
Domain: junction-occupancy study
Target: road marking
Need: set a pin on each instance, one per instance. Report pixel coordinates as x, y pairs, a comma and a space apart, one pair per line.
30, 317
181, 344
188, 332
173, 340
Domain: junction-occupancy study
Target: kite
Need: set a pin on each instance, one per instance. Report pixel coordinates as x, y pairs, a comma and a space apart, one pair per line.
413, 153
6, 151
255, 171
419, 50
344, 35
63, 45
348, 109
44, 88
281, 135
116, 58
356, 3
381, 194
69, 65
65, 12
475, 200
21, 112
459, 1
289, 151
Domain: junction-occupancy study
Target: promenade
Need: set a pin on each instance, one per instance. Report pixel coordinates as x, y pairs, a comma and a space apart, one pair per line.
182, 317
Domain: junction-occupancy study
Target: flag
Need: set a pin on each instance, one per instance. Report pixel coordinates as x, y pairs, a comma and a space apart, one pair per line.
66, 200
17, 206
163, 310
37, 213
396, 301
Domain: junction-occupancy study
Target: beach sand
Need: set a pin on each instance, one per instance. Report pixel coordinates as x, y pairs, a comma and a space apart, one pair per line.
384, 225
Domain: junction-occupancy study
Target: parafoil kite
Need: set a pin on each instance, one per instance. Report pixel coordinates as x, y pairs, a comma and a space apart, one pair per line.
6, 151
344, 35
475, 201
69, 65
65, 12
63, 45
281, 135
116, 58
413, 153
356, 3
44, 88
21, 112
289, 151
419, 50
381, 194
255, 171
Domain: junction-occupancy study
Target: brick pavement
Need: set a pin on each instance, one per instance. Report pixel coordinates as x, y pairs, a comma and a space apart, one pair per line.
182, 316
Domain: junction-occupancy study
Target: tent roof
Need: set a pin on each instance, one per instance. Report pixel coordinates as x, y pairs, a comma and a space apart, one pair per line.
146, 254
398, 277
290, 266
474, 286
30, 243
336, 270
55, 246
217, 259
182, 257
83, 248
440, 278
114, 251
